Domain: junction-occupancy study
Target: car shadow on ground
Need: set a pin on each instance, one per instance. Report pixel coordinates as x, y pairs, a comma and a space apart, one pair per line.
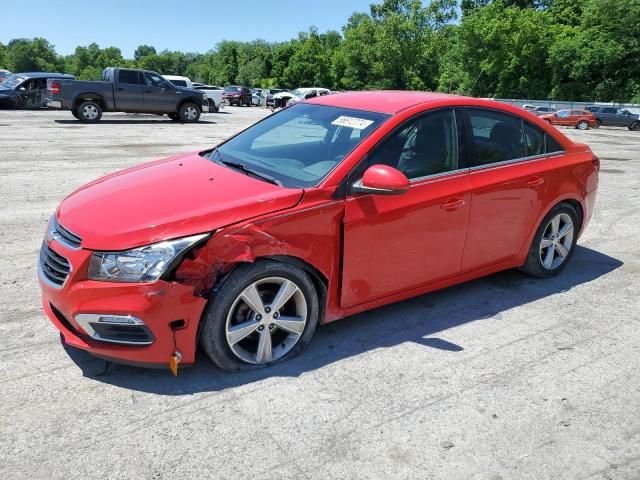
129, 122
417, 320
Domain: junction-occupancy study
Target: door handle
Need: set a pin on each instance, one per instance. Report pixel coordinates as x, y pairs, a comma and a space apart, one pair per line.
535, 182
453, 204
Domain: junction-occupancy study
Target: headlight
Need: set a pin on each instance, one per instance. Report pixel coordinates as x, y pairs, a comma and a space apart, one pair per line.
144, 264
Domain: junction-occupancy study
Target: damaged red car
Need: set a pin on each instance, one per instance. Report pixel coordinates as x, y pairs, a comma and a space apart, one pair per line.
334, 206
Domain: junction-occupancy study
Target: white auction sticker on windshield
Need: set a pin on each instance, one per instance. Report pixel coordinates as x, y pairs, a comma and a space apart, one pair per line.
352, 122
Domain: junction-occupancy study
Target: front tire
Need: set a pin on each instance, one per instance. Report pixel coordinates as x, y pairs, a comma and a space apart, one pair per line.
89, 112
264, 313
553, 243
635, 127
598, 124
189, 112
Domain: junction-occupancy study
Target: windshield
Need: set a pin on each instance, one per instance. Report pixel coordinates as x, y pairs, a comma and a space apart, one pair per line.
297, 92
300, 145
13, 81
231, 89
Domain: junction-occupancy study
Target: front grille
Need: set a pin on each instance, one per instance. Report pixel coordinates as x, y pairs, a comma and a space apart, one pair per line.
65, 236
54, 267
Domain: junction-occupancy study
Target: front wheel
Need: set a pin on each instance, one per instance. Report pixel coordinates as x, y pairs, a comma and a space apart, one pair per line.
189, 112
553, 243
598, 124
264, 313
635, 126
89, 112
582, 125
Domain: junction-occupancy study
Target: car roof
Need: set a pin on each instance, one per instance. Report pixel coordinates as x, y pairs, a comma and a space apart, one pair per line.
383, 101
43, 74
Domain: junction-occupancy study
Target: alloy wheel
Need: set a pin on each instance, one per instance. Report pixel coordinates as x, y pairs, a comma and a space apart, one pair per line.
583, 125
266, 321
557, 241
90, 112
190, 113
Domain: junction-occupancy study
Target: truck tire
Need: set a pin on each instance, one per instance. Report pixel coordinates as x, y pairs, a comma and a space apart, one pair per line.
189, 112
89, 112
212, 106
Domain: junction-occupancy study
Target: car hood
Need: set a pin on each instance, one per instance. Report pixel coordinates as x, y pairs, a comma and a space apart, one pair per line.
189, 91
175, 197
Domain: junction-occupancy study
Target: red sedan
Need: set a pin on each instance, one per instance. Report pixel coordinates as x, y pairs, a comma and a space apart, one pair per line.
580, 119
328, 208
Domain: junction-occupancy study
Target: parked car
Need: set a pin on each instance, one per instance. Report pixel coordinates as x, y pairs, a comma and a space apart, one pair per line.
236, 95
4, 74
257, 98
214, 97
299, 94
270, 92
615, 117
27, 90
543, 110
331, 207
127, 90
581, 119
180, 81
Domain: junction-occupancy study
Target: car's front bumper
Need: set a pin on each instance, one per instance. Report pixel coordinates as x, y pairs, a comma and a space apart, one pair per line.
160, 305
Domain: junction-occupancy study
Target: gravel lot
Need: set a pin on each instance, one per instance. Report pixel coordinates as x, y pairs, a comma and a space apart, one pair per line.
507, 377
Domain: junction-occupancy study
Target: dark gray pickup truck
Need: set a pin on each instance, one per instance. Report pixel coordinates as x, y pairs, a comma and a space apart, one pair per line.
126, 90
615, 117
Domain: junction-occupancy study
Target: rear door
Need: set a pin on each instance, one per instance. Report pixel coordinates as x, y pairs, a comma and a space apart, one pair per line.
159, 94
509, 176
129, 91
395, 243
609, 116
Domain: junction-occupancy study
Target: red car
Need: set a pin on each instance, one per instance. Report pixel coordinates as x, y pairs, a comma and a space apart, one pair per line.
580, 119
331, 207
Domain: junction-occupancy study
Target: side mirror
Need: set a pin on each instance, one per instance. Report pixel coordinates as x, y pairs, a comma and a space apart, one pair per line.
382, 180
22, 89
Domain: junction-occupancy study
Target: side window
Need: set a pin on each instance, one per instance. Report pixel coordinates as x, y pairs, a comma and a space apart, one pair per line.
425, 146
609, 110
563, 114
552, 144
534, 140
576, 113
129, 76
498, 137
154, 80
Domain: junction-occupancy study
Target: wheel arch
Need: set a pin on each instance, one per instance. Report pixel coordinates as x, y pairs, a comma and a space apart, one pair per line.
89, 96
193, 100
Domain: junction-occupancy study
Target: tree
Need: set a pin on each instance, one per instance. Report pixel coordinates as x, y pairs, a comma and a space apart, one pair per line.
143, 51
28, 55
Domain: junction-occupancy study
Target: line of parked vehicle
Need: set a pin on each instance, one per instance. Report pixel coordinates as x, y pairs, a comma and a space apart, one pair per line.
593, 116
136, 91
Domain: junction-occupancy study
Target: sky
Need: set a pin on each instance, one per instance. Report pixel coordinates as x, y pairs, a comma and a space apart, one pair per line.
186, 25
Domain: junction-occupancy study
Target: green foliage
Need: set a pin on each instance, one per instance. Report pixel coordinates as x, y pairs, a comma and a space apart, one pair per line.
562, 49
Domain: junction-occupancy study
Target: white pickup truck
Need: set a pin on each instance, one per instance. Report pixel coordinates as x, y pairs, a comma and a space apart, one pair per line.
214, 95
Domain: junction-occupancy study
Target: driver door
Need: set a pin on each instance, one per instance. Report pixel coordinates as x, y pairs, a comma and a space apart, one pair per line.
395, 243
159, 96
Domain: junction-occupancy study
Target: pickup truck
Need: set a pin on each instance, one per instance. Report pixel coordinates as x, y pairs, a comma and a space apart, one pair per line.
126, 90
615, 117
214, 97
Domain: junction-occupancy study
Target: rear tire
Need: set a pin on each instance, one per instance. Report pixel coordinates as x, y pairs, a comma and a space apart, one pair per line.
234, 349
583, 125
89, 112
554, 242
598, 124
189, 112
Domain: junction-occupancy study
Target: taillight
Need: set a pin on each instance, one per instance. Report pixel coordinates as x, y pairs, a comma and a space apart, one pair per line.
55, 88
596, 163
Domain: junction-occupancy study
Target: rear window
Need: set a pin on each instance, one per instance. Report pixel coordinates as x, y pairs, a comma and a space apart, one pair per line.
130, 77
609, 110
232, 89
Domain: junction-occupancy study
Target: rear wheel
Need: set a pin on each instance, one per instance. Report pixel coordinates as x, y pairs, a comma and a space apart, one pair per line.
598, 124
189, 112
582, 125
89, 112
264, 313
553, 243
